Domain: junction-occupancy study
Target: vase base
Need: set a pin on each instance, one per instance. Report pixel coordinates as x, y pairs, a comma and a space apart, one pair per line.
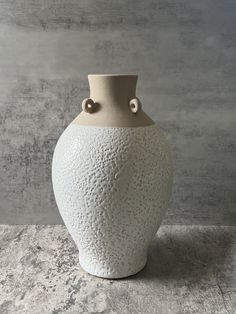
112, 274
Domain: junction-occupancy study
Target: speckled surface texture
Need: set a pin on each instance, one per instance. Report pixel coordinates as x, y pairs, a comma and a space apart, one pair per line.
112, 186
185, 54
190, 270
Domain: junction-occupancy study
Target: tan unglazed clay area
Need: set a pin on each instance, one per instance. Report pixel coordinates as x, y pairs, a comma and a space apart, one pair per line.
112, 95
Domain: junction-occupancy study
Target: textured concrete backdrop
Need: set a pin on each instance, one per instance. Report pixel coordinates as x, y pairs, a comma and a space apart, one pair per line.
185, 55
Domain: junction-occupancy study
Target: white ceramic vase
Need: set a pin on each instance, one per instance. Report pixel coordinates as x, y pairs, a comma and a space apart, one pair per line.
112, 179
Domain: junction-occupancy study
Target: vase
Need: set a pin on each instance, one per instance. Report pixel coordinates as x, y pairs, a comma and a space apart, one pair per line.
112, 178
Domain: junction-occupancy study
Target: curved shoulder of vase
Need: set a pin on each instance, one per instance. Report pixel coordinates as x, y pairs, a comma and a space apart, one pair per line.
118, 120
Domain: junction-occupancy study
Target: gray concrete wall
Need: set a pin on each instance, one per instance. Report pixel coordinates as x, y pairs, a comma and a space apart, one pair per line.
185, 55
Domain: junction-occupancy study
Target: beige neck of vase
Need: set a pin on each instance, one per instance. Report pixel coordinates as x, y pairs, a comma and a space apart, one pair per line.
112, 95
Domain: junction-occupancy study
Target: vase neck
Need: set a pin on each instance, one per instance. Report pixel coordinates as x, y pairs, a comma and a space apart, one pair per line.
112, 90
113, 94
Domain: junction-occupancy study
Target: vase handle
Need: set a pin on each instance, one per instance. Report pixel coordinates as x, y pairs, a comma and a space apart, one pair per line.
88, 105
135, 105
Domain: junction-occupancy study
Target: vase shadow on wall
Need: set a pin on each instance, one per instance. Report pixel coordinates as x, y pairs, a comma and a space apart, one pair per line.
187, 252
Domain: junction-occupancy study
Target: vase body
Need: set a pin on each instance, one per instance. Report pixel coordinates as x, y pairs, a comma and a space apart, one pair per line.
112, 186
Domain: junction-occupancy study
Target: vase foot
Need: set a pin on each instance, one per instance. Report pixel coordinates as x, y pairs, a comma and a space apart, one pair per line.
112, 274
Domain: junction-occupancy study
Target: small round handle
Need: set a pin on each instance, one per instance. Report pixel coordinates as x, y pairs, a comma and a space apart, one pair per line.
135, 105
88, 105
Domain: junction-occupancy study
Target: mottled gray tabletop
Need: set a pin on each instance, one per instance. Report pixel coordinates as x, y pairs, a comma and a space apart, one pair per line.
191, 269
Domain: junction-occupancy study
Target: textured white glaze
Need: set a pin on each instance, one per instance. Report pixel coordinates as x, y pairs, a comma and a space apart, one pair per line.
112, 186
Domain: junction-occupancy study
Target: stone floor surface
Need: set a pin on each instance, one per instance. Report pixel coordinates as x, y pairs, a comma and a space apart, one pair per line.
191, 269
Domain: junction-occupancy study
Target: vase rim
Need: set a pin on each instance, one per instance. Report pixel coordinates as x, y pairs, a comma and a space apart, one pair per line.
114, 75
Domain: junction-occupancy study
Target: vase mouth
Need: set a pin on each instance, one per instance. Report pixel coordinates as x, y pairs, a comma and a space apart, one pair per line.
113, 75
